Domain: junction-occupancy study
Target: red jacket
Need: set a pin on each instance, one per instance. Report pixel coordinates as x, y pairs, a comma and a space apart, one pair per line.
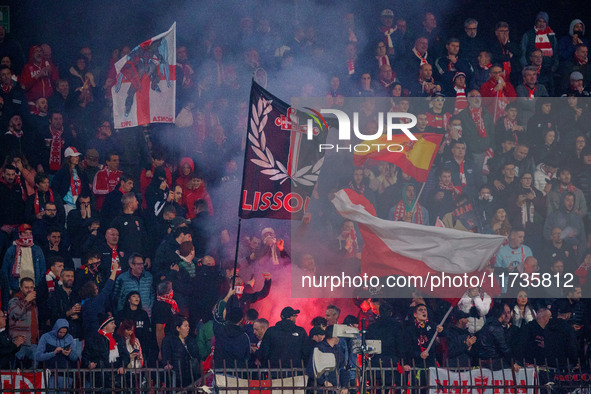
192, 195
105, 181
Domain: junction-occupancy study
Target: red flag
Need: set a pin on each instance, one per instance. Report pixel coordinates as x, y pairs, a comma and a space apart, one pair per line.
416, 159
407, 249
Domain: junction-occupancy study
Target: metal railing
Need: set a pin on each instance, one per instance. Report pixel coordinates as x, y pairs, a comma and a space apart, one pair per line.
486, 377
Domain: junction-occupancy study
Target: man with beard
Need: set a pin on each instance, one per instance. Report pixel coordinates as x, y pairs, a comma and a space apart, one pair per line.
14, 140
471, 44
89, 272
459, 341
63, 303
558, 191
35, 205
11, 93
492, 342
12, 205
23, 317
54, 245
571, 224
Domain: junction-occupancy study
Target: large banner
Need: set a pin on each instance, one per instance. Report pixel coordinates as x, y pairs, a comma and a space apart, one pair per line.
233, 385
146, 83
504, 381
12, 380
281, 165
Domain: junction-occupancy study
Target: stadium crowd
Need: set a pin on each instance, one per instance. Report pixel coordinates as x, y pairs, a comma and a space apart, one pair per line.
118, 246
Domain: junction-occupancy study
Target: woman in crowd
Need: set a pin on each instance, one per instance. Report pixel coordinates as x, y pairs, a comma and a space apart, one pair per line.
180, 354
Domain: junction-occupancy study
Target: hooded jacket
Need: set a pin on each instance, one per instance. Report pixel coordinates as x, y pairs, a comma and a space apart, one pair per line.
232, 344
50, 341
285, 343
566, 49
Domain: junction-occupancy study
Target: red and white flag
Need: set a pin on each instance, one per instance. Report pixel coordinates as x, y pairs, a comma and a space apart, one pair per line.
145, 89
400, 248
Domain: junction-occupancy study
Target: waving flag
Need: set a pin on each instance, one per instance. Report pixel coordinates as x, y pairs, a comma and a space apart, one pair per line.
400, 248
145, 90
281, 166
415, 161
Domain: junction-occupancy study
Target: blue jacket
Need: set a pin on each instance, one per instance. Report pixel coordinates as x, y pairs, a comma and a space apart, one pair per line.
49, 342
127, 282
10, 282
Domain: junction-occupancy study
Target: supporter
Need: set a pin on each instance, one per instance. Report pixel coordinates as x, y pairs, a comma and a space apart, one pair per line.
8, 346
459, 341
95, 303
62, 101
534, 339
135, 279
165, 309
506, 52
166, 253
510, 127
568, 219
436, 115
493, 348
561, 336
558, 249
23, 318
58, 350
284, 342
106, 350
157, 193
419, 332
35, 205
133, 236
196, 190
546, 148
48, 286
53, 242
576, 64
499, 223
511, 257
147, 175
179, 351
393, 346
103, 141
337, 377
498, 88
23, 259
389, 34
450, 64
25, 174
14, 140
107, 179
481, 302
182, 272
381, 59
541, 37
568, 43
484, 206
126, 330
203, 228
12, 205
545, 75
560, 188
11, 48
112, 206
471, 44
481, 70
425, 86
232, 345
63, 303
530, 89
408, 209
142, 328
458, 91
432, 33
37, 76
387, 78
77, 224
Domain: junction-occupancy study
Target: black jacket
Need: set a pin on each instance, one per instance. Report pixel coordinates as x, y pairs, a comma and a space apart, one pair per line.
458, 353
232, 345
96, 350
283, 342
165, 256
390, 332
492, 344
7, 350
12, 206
561, 343
175, 353
59, 303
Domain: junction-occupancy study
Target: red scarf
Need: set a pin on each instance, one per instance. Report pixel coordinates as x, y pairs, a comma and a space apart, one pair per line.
6, 88
543, 42
506, 64
400, 212
387, 31
455, 190
422, 57
461, 101
383, 60
75, 185
55, 154
568, 188
476, 114
113, 351
531, 92
169, 300
509, 125
22, 242
36, 204
49, 279
17, 134
115, 259
579, 61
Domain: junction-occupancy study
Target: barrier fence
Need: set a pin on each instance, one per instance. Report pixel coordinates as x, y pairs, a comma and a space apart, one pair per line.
488, 377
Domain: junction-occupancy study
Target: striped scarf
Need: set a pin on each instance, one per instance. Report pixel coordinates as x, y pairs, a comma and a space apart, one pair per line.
169, 300
543, 41
22, 242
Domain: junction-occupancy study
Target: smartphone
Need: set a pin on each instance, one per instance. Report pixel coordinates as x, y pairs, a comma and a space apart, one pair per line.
135, 351
67, 347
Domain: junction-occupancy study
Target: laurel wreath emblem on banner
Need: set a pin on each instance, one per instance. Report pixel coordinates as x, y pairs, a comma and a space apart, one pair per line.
305, 176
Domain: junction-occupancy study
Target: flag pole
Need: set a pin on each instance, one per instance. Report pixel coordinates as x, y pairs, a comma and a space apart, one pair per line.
236, 254
414, 205
441, 324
